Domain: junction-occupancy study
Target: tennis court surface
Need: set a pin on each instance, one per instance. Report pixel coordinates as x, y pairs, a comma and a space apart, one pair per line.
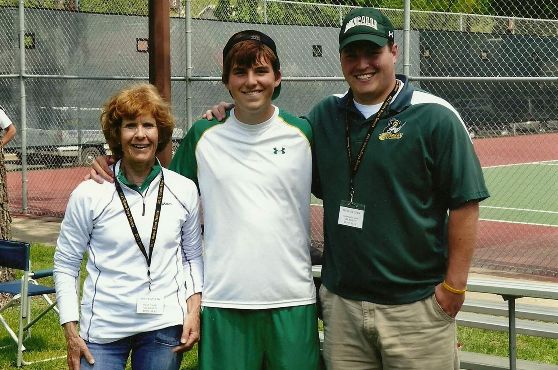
519, 222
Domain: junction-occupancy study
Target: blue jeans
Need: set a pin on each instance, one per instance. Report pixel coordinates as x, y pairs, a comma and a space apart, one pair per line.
150, 351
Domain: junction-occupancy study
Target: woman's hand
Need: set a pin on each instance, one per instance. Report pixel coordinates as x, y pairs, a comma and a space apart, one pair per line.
76, 347
191, 326
190, 333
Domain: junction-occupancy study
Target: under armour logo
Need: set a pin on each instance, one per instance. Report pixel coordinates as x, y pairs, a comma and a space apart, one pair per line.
277, 151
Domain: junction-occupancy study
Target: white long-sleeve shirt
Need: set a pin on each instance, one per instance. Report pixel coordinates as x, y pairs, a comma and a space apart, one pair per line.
255, 190
95, 223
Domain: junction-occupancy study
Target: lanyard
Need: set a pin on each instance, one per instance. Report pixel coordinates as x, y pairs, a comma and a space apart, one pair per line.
135, 229
354, 166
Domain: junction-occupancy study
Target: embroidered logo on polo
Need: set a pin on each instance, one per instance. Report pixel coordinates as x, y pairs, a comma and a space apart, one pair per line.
280, 150
392, 130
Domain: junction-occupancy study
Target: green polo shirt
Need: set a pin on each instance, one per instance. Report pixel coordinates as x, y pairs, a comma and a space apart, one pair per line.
419, 163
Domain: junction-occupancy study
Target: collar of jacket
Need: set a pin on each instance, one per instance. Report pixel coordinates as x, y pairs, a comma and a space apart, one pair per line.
155, 171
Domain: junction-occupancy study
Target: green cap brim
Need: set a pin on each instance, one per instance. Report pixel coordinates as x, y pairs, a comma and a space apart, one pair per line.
378, 40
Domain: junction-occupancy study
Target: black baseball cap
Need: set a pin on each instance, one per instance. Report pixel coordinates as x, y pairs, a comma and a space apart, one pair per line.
257, 36
365, 24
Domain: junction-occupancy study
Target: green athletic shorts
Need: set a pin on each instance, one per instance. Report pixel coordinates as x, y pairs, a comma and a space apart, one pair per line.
271, 339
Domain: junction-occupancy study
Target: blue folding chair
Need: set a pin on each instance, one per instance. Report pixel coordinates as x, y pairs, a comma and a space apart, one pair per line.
15, 255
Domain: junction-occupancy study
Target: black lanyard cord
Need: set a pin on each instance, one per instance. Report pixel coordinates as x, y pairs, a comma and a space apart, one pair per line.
355, 165
133, 224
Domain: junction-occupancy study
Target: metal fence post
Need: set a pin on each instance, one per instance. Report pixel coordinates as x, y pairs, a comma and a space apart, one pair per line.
23, 107
265, 11
188, 88
407, 37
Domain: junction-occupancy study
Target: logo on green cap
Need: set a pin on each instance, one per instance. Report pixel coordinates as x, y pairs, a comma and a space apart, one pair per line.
362, 21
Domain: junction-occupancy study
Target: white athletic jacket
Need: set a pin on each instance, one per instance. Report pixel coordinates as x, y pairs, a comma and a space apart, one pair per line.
95, 223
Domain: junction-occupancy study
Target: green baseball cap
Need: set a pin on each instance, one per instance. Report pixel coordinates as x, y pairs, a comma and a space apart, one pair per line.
365, 24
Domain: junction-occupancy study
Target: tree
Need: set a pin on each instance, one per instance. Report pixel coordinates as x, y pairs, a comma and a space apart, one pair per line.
68, 5
132, 7
223, 10
246, 11
396, 4
5, 222
526, 9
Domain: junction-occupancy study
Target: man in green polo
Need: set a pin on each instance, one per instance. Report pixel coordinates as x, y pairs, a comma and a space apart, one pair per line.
401, 184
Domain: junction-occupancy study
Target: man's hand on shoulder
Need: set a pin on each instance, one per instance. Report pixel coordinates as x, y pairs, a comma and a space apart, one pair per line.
218, 111
100, 169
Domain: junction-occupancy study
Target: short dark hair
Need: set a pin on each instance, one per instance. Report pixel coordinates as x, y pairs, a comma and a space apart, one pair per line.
246, 54
246, 49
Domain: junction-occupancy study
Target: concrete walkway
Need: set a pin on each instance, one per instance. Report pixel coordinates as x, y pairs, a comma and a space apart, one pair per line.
42, 230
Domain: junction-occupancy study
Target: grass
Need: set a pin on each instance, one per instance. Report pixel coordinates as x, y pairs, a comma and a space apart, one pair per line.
490, 342
47, 339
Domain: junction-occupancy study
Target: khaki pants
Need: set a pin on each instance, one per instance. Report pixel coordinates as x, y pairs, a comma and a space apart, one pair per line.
366, 336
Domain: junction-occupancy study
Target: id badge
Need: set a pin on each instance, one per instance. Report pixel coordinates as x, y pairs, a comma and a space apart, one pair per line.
351, 214
151, 305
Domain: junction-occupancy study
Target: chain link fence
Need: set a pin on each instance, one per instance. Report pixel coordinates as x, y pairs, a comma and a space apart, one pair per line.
498, 65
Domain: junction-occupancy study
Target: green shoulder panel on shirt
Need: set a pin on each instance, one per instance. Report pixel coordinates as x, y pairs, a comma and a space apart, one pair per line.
184, 160
300, 123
